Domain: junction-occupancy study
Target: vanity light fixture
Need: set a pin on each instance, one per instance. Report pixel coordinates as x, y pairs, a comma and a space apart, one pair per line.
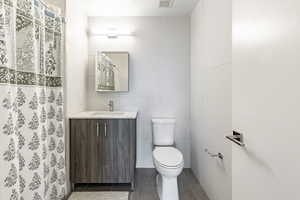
111, 33
166, 3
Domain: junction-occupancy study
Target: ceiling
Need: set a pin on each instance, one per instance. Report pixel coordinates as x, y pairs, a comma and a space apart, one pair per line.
137, 8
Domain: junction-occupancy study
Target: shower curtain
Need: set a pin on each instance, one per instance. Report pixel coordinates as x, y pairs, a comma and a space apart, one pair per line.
32, 144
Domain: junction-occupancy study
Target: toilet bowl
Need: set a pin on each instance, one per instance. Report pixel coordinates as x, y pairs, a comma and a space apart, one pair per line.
169, 163
167, 160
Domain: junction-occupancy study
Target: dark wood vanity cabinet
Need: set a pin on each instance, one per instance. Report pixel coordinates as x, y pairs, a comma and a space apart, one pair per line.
103, 151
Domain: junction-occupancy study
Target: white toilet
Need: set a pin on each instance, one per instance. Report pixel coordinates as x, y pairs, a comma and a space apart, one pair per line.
168, 160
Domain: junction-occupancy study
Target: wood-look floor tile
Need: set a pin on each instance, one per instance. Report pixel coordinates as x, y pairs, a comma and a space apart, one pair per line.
189, 187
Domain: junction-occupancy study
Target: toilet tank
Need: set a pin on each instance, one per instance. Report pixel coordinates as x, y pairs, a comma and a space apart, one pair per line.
163, 131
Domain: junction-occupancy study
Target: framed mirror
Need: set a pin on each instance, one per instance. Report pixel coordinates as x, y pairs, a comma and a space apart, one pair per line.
112, 71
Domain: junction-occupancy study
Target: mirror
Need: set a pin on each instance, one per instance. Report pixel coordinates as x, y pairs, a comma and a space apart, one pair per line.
112, 71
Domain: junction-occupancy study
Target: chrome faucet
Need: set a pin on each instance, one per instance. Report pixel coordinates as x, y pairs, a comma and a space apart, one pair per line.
111, 105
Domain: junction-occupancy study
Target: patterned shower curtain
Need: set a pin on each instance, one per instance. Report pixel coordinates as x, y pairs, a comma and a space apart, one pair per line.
32, 144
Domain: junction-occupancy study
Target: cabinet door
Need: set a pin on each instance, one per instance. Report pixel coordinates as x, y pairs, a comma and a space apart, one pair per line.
85, 151
118, 148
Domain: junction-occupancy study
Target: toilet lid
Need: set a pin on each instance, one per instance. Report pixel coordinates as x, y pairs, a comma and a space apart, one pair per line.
168, 156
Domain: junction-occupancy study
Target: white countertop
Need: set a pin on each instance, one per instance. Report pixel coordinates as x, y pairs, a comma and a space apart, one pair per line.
104, 115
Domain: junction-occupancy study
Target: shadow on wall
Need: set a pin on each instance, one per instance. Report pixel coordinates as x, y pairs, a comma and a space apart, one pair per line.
258, 160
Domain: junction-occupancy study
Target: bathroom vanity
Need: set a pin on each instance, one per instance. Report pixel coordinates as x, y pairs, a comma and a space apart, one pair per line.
103, 148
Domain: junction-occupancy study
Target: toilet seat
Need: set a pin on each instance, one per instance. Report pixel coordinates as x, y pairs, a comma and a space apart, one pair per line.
168, 157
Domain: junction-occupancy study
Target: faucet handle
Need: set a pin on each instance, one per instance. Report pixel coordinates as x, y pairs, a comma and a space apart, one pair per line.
111, 105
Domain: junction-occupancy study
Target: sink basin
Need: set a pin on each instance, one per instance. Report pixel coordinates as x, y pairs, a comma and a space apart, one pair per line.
108, 113
104, 115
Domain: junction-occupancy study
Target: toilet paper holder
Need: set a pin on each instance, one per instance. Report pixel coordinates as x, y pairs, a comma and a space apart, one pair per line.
218, 155
237, 138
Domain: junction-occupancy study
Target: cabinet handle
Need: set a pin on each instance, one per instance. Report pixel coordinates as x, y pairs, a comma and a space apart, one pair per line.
97, 129
105, 129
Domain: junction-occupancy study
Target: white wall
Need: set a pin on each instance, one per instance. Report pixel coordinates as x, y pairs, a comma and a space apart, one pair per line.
266, 99
159, 75
211, 95
76, 63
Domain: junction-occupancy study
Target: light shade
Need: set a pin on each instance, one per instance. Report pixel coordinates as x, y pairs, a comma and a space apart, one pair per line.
111, 33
